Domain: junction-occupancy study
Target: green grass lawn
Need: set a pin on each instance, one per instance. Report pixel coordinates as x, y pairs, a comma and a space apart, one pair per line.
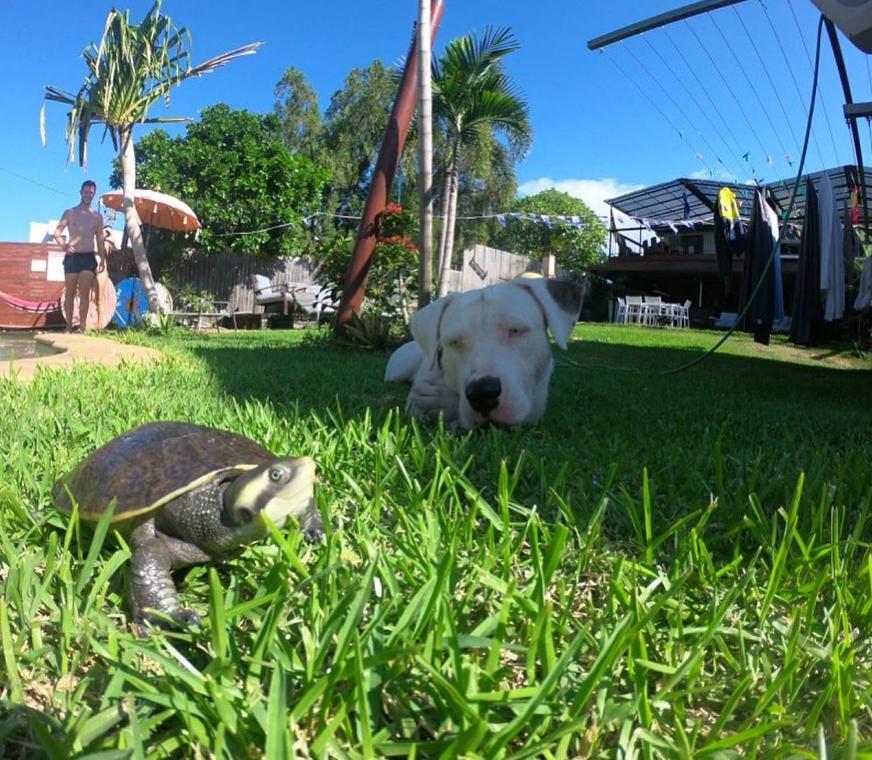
668, 565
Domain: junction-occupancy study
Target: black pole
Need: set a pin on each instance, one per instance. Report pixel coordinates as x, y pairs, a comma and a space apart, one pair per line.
852, 123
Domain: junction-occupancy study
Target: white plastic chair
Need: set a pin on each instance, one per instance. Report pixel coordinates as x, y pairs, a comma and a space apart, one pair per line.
651, 307
621, 312
681, 314
635, 309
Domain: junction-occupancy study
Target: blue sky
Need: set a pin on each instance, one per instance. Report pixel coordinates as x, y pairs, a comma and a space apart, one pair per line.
690, 101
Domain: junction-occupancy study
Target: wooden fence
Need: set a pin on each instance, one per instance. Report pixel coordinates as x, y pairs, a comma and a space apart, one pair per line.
487, 266
227, 276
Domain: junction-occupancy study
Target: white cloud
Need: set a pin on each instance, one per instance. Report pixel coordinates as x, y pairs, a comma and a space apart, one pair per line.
592, 191
720, 175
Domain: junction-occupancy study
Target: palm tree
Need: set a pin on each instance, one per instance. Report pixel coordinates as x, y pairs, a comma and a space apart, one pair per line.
134, 66
472, 95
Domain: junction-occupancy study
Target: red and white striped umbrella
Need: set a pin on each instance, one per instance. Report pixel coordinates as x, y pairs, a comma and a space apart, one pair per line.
157, 209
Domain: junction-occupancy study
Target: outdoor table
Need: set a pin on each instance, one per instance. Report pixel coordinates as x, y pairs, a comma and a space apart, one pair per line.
195, 318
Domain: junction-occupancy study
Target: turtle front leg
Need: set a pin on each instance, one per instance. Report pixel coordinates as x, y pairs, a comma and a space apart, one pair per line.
152, 586
311, 524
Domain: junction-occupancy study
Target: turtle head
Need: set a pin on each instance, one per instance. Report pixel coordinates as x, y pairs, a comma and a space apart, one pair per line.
280, 488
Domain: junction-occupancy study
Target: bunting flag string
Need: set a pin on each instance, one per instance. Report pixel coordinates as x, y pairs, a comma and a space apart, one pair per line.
551, 221
548, 220
650, 224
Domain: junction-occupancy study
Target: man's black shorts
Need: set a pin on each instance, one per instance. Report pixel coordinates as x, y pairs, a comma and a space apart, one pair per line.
80, 262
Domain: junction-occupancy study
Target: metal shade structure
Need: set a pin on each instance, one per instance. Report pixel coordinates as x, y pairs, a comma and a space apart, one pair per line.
666, 200
158, 209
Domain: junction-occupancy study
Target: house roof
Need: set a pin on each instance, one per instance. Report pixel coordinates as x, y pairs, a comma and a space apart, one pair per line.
665, 202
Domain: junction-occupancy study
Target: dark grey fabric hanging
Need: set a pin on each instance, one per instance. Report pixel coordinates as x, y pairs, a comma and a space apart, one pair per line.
758, 250
722, 250
808, 314
850, 242
729, 240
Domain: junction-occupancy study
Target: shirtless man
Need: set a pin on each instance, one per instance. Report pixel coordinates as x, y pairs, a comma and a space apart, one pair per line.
85, 228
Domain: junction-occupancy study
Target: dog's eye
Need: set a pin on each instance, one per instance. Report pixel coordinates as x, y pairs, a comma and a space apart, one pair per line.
454, 343
517, 332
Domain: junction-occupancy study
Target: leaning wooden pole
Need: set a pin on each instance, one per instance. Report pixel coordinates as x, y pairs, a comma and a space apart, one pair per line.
385, 168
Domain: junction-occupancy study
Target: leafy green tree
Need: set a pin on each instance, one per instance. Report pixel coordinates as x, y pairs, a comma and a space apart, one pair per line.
297, 109
354, 125
235, 172
574, 248
394, 273
471, 95
134, 66
487, 184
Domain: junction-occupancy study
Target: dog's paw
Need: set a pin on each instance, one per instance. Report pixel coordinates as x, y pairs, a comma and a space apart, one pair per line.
430, 398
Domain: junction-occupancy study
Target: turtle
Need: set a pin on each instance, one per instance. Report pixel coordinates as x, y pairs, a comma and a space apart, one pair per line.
186, 494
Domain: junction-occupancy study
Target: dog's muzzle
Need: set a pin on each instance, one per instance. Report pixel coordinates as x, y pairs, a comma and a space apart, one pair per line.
484, 394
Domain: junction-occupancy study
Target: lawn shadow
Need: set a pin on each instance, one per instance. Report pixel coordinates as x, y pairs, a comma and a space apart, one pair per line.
313, 375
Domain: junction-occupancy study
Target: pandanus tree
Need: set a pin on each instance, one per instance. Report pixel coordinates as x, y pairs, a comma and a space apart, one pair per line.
473, 96
133, 67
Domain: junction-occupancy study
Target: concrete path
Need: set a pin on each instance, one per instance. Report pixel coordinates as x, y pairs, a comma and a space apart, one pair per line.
77, 348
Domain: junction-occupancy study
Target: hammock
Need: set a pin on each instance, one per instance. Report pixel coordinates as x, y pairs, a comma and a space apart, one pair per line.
25, 305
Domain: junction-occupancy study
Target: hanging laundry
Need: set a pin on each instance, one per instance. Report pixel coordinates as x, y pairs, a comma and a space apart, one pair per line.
850, 241
832, 258
613, 230
855, 205
808, 316
864, 292
760, 240
728, 234
854, 186
777, 283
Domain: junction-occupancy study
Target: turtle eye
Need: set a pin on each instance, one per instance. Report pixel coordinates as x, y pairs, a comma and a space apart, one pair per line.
276, 475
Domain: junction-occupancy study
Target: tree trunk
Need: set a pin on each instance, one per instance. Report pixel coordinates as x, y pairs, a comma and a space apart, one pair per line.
425, 156
449, 225
132, 223
446, 187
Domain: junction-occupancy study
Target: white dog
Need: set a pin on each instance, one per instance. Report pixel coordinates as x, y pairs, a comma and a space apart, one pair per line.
483, 357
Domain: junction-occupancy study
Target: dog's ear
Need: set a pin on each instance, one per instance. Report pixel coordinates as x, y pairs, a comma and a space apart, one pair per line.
425, 324
560, 301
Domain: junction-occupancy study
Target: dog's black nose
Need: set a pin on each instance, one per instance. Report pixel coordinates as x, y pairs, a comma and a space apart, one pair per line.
484, 394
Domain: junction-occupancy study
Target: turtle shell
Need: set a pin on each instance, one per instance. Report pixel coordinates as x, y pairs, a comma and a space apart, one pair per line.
151, 465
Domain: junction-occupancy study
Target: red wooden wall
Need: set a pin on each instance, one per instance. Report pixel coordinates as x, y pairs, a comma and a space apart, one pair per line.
18, 279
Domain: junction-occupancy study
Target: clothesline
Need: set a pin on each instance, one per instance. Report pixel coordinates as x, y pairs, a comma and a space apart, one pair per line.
549, 220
